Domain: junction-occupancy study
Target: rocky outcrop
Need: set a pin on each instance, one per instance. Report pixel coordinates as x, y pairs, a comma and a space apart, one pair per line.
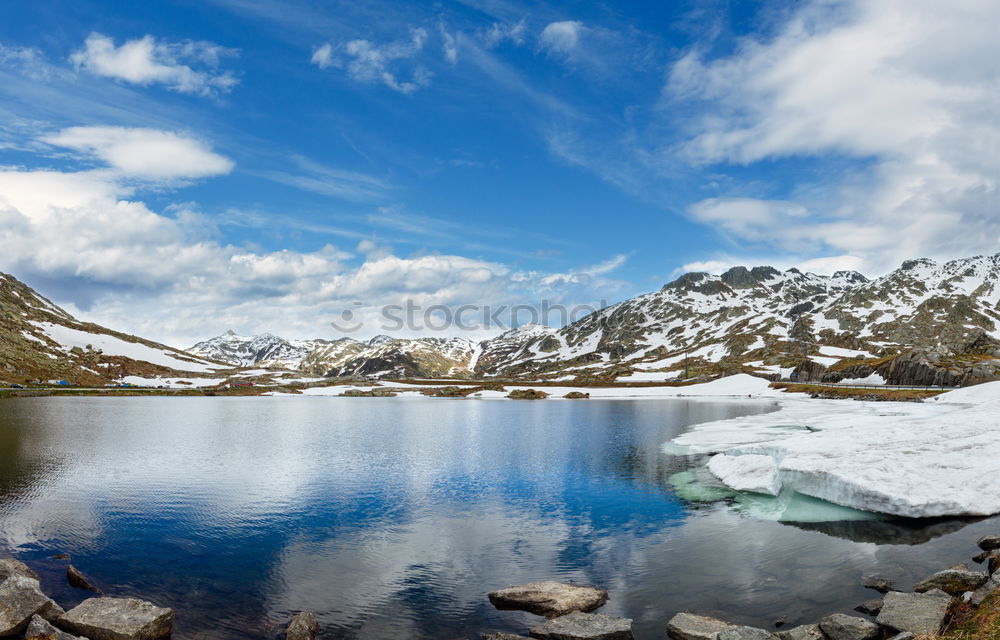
39, 627
991, 587
808, 371
584, 626
21, 598
304, 626
13, 567
690, 626
918, 613
802, 632
527, 394
989, 543
118, 619
952, 581
549, 598
745, 633
940, 366
840, 626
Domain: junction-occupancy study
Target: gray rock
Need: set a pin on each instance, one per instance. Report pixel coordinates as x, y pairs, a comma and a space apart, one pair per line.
20, 599
906, 635
878, 583
549, 598
952, 581
989, 543
40, 627
304, 626
690, 626
503, 636
78, 580
118, 619
840, 626
13, 567
982, 593
745, 633
918, 613
584, 626
51, 611
871, 607
802, 632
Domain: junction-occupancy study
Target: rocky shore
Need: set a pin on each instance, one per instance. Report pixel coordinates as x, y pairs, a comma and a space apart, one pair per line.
897, 615
26, 612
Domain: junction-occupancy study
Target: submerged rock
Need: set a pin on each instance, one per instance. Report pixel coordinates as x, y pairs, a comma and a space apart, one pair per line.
989, 543
802, 632
549, 598
14, 567
304, 626
690, 626
952, 581
577, 395
745, 633
20, 599
878, 583
840, 626
118, 619
503, 636
78, 580
871, 607
918, 613
39, 627
584, 626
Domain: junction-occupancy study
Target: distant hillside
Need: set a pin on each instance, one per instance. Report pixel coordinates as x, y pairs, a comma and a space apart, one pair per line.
923, 323
40, 341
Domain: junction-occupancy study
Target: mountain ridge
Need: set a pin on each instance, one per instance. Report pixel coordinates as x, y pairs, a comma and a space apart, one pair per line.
758, 320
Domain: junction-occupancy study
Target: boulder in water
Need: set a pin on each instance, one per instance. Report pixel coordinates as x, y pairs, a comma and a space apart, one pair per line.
549, 598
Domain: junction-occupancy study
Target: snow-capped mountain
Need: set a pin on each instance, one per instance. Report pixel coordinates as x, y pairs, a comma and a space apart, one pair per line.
757, 320
264, 350
40, 341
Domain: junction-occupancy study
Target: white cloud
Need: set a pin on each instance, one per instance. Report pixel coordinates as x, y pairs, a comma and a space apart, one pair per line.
371, 63
323, 58
561, 37
747, 217
164, 276
904, 89
144, 153
500, 32
146, 61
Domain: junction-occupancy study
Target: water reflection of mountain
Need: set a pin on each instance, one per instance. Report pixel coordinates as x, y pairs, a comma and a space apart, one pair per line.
895, 531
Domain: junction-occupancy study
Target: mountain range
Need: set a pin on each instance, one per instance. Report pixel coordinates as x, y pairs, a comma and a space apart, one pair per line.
923, 323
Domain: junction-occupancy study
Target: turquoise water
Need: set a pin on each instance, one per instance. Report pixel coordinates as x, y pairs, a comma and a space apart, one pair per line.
392, 518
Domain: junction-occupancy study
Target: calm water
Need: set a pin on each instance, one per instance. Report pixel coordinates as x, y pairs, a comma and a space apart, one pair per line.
392, 518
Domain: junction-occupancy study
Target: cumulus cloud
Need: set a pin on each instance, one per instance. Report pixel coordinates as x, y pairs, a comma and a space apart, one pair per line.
187, 67
903, 89
164, 275
561, 37
144, 153
371, 63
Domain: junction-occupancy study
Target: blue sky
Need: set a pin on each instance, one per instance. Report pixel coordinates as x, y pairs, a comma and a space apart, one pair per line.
177, 169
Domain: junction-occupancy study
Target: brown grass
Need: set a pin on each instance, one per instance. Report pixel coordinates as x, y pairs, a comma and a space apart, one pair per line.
982, 623
861, 394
